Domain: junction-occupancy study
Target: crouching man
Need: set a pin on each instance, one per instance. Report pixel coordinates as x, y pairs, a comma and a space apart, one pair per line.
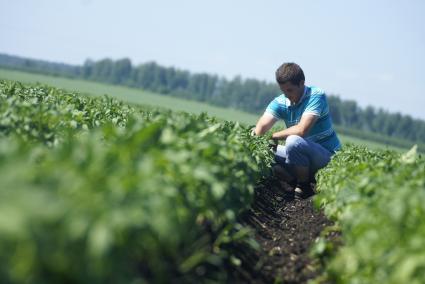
310, 139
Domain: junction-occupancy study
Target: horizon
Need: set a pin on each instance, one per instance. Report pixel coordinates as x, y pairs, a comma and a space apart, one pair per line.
375, 59
377, 108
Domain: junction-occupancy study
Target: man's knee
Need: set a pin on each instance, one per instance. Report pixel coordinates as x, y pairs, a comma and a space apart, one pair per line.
294, 143
296, 150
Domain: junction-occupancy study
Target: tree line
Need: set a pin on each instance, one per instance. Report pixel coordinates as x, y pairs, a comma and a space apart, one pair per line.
249, 95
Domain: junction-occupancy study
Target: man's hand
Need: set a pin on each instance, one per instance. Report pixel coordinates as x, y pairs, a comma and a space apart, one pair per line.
273, 145
265, 123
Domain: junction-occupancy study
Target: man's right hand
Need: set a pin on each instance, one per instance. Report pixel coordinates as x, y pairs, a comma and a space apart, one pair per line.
265, 123
273, 145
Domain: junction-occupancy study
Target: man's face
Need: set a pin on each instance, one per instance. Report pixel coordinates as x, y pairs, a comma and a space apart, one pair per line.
291, 91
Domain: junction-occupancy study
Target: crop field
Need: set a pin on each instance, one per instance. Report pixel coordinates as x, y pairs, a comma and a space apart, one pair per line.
94, 190
130, 95
136, 96
376, 199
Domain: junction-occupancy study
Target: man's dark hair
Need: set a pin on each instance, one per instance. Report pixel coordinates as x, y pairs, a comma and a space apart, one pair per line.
289, 72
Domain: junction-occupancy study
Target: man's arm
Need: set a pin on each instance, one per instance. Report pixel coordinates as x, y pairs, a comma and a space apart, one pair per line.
301, 129
265, 123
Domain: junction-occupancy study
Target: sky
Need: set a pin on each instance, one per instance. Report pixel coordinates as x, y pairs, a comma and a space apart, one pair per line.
370, 51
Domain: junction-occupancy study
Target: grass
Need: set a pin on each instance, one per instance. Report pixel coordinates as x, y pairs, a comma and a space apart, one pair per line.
131, 95
138, 96
369, 144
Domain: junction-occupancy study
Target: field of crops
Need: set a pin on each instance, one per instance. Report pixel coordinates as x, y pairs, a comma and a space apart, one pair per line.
96, 191
129, 95
377, 200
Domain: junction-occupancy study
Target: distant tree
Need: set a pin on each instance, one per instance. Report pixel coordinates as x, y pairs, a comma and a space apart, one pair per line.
335, 109
87, 69
103, 70
367, 119
349, 113
145, 75
121, 71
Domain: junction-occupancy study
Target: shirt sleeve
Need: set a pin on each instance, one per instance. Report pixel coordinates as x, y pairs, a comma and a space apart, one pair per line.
274, 109
316, 105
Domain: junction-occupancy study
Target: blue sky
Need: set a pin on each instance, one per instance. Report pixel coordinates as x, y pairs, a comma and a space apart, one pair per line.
372, 52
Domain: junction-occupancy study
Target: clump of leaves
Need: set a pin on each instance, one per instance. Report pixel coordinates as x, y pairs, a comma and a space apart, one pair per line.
121, 193
376, 199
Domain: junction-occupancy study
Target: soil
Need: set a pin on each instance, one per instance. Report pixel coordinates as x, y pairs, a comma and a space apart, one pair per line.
285, 228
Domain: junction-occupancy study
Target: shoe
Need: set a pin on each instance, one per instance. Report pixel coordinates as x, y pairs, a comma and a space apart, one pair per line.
289, 195
281, 173
303, 191
286, 189
293, 183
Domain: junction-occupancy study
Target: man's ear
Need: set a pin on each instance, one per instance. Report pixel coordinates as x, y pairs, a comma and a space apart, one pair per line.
301, 83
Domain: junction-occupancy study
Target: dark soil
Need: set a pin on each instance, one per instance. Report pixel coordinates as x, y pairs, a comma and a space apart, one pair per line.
285, 228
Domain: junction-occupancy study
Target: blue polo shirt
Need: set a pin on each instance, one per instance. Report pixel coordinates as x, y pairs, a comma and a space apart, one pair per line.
313, 101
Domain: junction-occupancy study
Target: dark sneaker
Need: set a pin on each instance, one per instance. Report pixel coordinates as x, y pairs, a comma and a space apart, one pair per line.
285, 188
303, 191
281, 173
293, 183
289, 194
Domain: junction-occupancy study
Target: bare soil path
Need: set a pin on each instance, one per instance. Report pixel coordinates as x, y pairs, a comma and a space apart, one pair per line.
285, 228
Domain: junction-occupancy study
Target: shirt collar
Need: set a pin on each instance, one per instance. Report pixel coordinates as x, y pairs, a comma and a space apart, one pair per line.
288, 102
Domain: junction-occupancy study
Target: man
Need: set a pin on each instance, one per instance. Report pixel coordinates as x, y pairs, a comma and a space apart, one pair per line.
310, 138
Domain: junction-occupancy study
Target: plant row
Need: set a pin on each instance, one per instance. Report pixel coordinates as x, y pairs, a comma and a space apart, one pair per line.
377, 201
95, 191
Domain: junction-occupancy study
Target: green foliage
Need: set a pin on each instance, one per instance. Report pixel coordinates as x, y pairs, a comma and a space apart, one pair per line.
44, 114
377, 200
94, 191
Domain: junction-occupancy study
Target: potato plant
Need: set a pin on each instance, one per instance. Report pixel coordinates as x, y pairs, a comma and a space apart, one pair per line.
377, 200
96, 191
